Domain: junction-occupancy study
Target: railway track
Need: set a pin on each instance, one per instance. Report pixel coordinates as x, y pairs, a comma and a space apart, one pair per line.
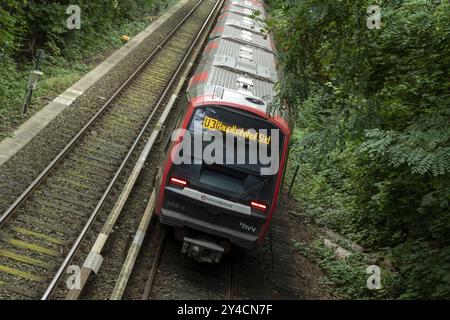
174, 276
120, 239
154, 269
41, 231
18, 173
263, 273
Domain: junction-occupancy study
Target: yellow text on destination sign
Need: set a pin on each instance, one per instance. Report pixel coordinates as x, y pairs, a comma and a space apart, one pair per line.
215, 124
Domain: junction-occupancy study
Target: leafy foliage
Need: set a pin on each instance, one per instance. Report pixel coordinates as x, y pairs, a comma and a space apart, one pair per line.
28, 25
31, 24
349, 277
373, 112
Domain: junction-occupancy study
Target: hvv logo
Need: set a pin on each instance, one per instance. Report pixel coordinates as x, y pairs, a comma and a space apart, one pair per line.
246, 227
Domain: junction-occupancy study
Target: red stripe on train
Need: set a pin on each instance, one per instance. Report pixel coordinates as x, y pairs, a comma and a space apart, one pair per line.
211, 46
217, 30
199, 77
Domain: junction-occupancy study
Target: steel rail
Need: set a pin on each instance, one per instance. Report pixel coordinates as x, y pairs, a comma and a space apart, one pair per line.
134, 249
155, 265
36, 182
102, 201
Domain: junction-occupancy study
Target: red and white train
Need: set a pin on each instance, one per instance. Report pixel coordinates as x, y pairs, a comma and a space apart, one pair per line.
214, 205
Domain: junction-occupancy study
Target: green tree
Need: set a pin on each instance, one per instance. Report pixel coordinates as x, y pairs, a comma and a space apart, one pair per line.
373, 107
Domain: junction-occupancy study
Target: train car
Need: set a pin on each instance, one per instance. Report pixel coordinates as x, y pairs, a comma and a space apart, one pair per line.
230, 199
247, 8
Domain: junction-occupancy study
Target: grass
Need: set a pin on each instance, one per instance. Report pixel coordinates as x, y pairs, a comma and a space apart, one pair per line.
56, 84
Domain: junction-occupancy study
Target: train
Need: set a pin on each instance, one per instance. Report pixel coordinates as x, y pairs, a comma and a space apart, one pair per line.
220, 180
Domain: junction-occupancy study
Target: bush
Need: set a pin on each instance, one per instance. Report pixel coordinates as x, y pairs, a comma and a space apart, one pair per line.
373, 112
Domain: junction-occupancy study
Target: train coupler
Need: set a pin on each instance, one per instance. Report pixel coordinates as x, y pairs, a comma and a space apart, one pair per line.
202, 250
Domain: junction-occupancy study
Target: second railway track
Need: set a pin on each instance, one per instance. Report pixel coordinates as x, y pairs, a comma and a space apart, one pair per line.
37, 232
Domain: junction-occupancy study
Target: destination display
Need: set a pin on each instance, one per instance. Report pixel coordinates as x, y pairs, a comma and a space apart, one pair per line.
250, 134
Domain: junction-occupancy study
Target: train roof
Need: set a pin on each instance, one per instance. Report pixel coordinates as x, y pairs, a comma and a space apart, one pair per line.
253, 57
246, 7
238, 67
242, 22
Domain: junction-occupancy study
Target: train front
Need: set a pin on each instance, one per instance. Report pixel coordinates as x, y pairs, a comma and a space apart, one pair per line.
224, 171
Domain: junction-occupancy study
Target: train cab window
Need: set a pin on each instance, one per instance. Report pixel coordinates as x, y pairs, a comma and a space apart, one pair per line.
236, 180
